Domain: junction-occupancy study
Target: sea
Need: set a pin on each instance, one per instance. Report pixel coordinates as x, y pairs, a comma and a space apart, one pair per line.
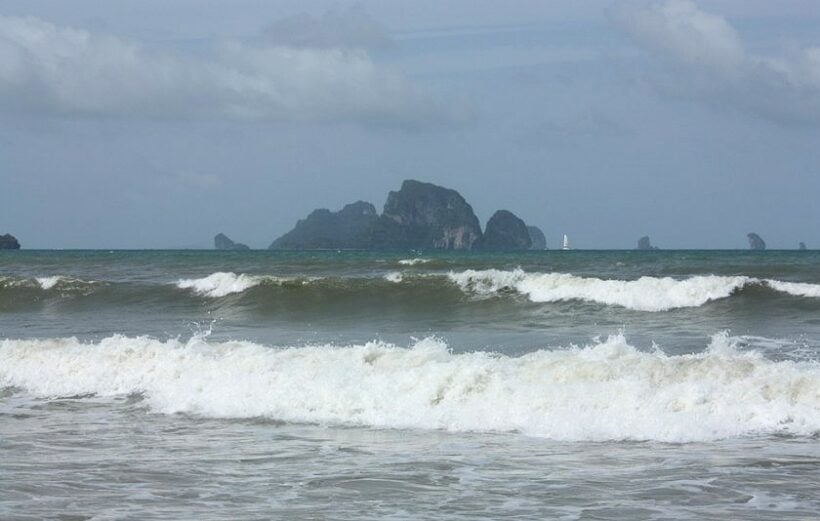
566, 385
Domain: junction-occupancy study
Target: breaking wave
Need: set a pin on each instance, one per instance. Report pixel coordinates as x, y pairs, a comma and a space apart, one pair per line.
53, 282
643, 294
608, 390
414, 261
411, 288
221, 284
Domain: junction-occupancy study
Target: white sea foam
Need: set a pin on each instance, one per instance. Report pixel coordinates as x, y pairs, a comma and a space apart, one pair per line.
607, 390
798, 289
220, 284
394, 276
49, 282
413, 262
46, 283
643, 294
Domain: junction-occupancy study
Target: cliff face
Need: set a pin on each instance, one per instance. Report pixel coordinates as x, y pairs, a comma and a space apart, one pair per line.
537, 238
349, 228
756, 242
9, 242
505, 232
425, 216
222, 242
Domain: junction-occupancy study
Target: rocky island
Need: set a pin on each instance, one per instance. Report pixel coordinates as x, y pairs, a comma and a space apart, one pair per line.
756, 242
222, 242
349, 228
537, 238
505, 232
9, 242
645, 244
419, 216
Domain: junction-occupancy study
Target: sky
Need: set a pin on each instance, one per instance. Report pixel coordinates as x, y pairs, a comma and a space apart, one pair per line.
157, 124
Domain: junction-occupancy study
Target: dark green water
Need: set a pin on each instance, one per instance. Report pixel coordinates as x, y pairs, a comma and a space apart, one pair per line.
347, 296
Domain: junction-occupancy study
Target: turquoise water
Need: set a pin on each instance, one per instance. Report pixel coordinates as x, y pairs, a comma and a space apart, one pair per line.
339, 385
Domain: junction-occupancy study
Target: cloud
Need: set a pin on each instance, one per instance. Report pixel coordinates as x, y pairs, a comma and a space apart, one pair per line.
350, 28
58, 70
707, 60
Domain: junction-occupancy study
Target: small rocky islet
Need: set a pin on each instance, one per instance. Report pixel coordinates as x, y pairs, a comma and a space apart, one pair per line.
9, 242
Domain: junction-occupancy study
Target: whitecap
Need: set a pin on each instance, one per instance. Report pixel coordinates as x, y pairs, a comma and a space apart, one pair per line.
608, 390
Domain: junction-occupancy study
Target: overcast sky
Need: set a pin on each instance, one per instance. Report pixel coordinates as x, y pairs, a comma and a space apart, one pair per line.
157, 124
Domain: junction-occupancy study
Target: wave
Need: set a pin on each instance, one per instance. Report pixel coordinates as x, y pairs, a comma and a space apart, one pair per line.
607, 390
414, 261
53, 282
220, 284
797, 289
643, 294
648, 294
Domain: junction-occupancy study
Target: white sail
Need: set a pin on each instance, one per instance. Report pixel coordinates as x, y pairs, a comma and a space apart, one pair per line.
566, 243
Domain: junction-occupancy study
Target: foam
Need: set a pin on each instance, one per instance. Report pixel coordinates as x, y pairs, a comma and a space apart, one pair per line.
798, 289
413, 262
220, 284
643, 294
47, 283
394, 276
607, 390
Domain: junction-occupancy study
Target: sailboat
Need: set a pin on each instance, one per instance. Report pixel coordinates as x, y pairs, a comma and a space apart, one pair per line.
565, 246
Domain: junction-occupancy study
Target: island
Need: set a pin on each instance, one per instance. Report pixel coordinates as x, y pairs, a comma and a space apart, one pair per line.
505, 232
9, 242
222, 242
645, 244
756, 242
418, 216
537, 238
349, 228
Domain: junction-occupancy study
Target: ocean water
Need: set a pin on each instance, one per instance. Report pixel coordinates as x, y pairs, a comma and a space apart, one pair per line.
347, 385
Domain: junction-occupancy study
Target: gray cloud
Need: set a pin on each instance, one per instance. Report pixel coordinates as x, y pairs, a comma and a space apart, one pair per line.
350, 28
708, 61
59, 70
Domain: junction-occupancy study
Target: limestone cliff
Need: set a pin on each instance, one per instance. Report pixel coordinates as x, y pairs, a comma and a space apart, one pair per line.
425, 216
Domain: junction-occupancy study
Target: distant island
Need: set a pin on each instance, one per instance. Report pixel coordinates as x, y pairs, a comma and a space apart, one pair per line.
756, 242
645, 244
418, 216
222, 242
9, 242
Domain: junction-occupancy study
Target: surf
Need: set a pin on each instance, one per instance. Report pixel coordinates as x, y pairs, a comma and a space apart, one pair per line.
606, 390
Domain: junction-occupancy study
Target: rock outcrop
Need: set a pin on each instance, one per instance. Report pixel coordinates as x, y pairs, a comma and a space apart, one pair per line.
756, 242
425, 216
537, 238
349, 228
505, 232
9, 242
802, 246
645, 244
222, 242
